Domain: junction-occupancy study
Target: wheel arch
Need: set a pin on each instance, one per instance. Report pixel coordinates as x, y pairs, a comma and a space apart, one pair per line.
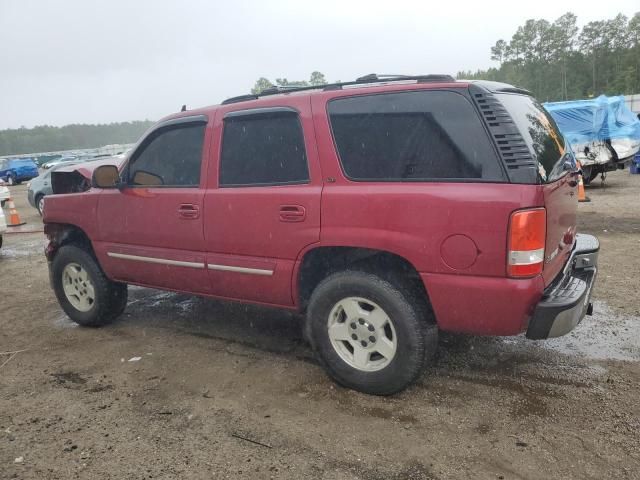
60, 234
318, 262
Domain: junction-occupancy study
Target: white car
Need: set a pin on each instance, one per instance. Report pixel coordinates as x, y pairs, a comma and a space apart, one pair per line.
4, 192
3, 225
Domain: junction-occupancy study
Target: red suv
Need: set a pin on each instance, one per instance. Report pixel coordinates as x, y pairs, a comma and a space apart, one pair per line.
386, 209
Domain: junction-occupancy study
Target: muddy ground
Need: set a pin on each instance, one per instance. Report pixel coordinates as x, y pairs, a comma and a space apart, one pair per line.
229, 391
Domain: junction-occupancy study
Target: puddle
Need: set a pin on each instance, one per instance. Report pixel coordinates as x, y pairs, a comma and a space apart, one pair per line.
604, 336
23, 249
62, 321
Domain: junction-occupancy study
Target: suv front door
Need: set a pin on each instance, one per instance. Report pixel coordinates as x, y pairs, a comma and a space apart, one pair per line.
151, 229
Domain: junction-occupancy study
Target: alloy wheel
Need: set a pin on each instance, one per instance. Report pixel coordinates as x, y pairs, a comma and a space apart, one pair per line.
362, 334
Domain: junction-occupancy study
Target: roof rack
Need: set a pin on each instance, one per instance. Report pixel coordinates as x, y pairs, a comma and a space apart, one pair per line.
366, 79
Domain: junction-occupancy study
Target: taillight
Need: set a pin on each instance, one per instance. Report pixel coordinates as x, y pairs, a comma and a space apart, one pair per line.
527, 233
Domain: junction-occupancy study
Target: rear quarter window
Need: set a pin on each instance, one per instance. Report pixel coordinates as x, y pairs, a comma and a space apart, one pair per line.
540, 133
412, 136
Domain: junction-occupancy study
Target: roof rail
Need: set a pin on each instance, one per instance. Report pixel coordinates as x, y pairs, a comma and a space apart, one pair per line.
366, 79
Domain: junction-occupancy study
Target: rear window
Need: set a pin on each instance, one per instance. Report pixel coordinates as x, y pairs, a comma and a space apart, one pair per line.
540, 133
412, 136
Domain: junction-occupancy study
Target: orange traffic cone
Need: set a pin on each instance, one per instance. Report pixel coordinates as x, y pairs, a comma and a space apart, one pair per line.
14, 218
582, 197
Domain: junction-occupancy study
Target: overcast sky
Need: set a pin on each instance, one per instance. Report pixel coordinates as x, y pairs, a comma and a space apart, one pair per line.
95, 61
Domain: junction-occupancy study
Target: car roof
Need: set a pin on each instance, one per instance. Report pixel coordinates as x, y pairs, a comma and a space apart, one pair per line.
363, 84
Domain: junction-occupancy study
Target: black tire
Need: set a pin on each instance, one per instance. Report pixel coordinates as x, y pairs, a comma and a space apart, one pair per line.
37, 202
110, 297
416, 337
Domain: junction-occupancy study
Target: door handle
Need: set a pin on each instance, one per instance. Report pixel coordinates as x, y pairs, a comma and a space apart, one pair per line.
189, 211
292, 213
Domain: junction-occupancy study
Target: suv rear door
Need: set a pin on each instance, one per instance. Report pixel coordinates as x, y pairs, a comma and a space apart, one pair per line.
151, 229
263, 205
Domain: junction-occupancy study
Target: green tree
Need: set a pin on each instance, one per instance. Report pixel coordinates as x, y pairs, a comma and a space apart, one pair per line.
260, 85
558, 61
317, 78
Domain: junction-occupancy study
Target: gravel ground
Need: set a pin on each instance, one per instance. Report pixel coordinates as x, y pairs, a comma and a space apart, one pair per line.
223, 390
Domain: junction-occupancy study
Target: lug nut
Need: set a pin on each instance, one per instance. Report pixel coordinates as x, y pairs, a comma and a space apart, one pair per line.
372, 339
371, 328
363, 343
353, 325
354, 336
361, 321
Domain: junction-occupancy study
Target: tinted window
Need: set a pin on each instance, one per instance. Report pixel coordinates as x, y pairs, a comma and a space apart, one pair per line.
412, 136
263, 149
170, 157
540, 133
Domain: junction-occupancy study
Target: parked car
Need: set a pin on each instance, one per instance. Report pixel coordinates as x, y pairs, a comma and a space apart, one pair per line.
40, 186
66, 159
385, 209
603, 133
17, 170
4, 193
3, 225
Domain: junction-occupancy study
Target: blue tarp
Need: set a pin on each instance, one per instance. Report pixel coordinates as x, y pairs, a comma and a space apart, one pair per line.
583, 121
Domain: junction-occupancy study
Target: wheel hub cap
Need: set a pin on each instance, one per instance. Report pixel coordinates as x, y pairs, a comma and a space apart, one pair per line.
77, 287
362, 334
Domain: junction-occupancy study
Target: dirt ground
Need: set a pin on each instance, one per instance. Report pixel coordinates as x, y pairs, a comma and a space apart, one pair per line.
223, 390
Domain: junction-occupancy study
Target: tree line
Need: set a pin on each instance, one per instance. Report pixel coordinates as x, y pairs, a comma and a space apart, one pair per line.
46, 138
559, 61
315, 79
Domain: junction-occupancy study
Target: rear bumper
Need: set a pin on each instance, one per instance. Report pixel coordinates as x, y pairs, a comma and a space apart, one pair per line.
567, 300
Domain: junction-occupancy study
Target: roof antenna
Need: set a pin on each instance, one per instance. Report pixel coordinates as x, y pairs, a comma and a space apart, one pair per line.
184, 108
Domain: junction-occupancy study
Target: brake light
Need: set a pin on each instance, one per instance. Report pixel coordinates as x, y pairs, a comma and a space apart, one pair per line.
527, 233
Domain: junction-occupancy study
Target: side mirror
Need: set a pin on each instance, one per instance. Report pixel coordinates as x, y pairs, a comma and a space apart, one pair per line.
106, 176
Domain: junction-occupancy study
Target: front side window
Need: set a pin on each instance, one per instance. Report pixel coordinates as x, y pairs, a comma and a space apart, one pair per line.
169, 157
412, 136
263, 149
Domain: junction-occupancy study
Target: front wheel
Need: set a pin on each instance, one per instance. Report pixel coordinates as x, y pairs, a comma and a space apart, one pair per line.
40, 204
368, 334
85, 294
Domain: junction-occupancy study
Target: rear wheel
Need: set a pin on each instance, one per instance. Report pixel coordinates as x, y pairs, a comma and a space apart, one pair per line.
85, 294
368, 334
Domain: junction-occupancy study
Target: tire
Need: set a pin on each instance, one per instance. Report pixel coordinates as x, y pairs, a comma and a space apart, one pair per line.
37, 202
76, 270
371, 298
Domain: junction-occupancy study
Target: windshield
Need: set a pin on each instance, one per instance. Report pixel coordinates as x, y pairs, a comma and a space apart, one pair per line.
540, 133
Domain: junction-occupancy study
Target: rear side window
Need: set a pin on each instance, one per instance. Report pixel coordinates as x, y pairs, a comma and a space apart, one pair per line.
263, 149
540, 133
412, 136
170, 157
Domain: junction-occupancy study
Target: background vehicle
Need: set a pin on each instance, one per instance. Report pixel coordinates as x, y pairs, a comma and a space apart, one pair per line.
40, 186
3, 225
4, 193
58, 161
603, 133
407, 172
15, 171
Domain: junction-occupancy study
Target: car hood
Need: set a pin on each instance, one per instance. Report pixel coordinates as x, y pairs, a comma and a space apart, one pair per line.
86, 169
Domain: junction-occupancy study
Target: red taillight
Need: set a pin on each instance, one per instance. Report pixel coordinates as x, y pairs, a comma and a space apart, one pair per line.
527, 233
